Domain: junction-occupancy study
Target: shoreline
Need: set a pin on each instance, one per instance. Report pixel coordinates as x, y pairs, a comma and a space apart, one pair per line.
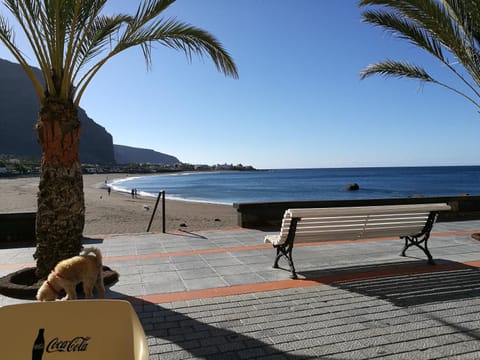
145, 194
119, 213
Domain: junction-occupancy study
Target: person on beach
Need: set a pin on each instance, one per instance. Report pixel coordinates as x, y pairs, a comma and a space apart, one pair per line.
133, 193
109, 190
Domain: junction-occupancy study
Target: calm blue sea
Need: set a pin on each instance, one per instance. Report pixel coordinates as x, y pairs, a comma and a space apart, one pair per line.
308, 184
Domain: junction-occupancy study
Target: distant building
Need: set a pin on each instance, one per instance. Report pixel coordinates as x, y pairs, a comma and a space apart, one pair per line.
223, 167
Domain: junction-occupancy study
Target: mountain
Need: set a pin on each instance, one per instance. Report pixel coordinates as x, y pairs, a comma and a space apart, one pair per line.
128, 155
19, 106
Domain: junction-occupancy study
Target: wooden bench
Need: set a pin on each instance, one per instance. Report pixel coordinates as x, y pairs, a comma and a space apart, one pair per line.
410, 222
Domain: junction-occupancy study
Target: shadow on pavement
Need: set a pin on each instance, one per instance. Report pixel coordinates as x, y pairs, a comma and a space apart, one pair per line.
405, 283
171, 331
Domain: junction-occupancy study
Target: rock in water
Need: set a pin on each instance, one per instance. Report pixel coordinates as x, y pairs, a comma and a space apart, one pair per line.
352, 187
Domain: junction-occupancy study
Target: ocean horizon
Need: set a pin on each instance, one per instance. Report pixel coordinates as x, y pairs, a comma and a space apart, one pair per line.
275, 185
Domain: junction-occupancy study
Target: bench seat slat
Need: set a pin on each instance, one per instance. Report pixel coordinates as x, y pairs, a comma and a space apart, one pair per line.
394, 224
390, 231
382, 233
314, 236
360, 233
327, 237
327, 231
367, 223
393, 220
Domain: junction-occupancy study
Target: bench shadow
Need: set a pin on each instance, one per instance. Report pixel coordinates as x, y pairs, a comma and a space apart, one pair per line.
191, 234
174, 331
185, 234
405, 283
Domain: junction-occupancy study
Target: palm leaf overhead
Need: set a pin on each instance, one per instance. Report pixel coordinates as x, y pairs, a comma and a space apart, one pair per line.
446, 29
71, 41
397, 69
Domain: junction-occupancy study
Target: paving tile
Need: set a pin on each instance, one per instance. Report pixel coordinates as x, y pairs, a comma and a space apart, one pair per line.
199, 273
204, 283
233, 270
242, 279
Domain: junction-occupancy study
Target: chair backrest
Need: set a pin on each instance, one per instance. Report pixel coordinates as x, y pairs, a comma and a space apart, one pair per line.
360, 222
78, 329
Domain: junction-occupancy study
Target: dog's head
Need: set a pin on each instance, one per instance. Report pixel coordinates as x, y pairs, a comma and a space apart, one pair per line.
48, 291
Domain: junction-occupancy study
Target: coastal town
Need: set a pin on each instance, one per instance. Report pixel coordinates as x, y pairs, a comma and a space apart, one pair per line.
17, 166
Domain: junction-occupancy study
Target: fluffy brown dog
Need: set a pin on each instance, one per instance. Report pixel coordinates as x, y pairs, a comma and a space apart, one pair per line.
68, 273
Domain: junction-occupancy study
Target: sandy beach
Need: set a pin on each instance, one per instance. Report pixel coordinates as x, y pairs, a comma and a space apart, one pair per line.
118, 213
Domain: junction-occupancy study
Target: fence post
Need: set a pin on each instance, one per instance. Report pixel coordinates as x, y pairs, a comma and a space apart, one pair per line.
164, 221
161, 194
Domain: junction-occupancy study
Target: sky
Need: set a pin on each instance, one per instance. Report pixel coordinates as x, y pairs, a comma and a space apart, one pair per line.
299, 101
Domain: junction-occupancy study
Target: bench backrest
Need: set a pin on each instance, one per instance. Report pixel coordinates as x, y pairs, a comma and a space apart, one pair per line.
350, 223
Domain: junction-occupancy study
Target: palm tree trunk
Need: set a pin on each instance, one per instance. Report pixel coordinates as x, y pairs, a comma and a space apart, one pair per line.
60, 203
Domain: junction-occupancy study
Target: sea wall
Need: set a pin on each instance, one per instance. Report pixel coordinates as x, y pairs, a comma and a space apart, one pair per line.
269, 215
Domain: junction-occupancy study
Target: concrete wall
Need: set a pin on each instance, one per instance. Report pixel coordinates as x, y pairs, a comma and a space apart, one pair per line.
20, 227
269, 215
17, 227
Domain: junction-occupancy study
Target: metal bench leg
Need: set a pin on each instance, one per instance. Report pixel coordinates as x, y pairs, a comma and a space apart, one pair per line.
285, 250
421, 244
293, 274
279, 255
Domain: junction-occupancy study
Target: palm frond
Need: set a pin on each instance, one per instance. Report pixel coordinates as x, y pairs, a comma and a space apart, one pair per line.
405, 29
98, 38
184, 37
150, 9
170, 33
465, 16
84, 17
7, 37
398, 69
464, 13
439, 27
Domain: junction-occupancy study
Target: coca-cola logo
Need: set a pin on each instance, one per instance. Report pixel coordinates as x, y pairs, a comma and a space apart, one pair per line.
78, 343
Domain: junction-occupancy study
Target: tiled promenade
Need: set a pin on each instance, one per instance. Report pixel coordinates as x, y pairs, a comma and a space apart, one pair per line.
214, 295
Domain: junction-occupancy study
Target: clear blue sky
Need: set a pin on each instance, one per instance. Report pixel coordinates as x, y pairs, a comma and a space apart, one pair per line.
299, 101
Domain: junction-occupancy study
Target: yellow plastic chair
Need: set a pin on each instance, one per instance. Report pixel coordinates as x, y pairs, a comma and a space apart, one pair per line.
78, 329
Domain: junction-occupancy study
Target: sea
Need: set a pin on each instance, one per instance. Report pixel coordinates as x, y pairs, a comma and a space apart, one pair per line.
229, 187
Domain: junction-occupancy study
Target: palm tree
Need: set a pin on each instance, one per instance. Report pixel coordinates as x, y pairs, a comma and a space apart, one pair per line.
72, 40
449, 30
